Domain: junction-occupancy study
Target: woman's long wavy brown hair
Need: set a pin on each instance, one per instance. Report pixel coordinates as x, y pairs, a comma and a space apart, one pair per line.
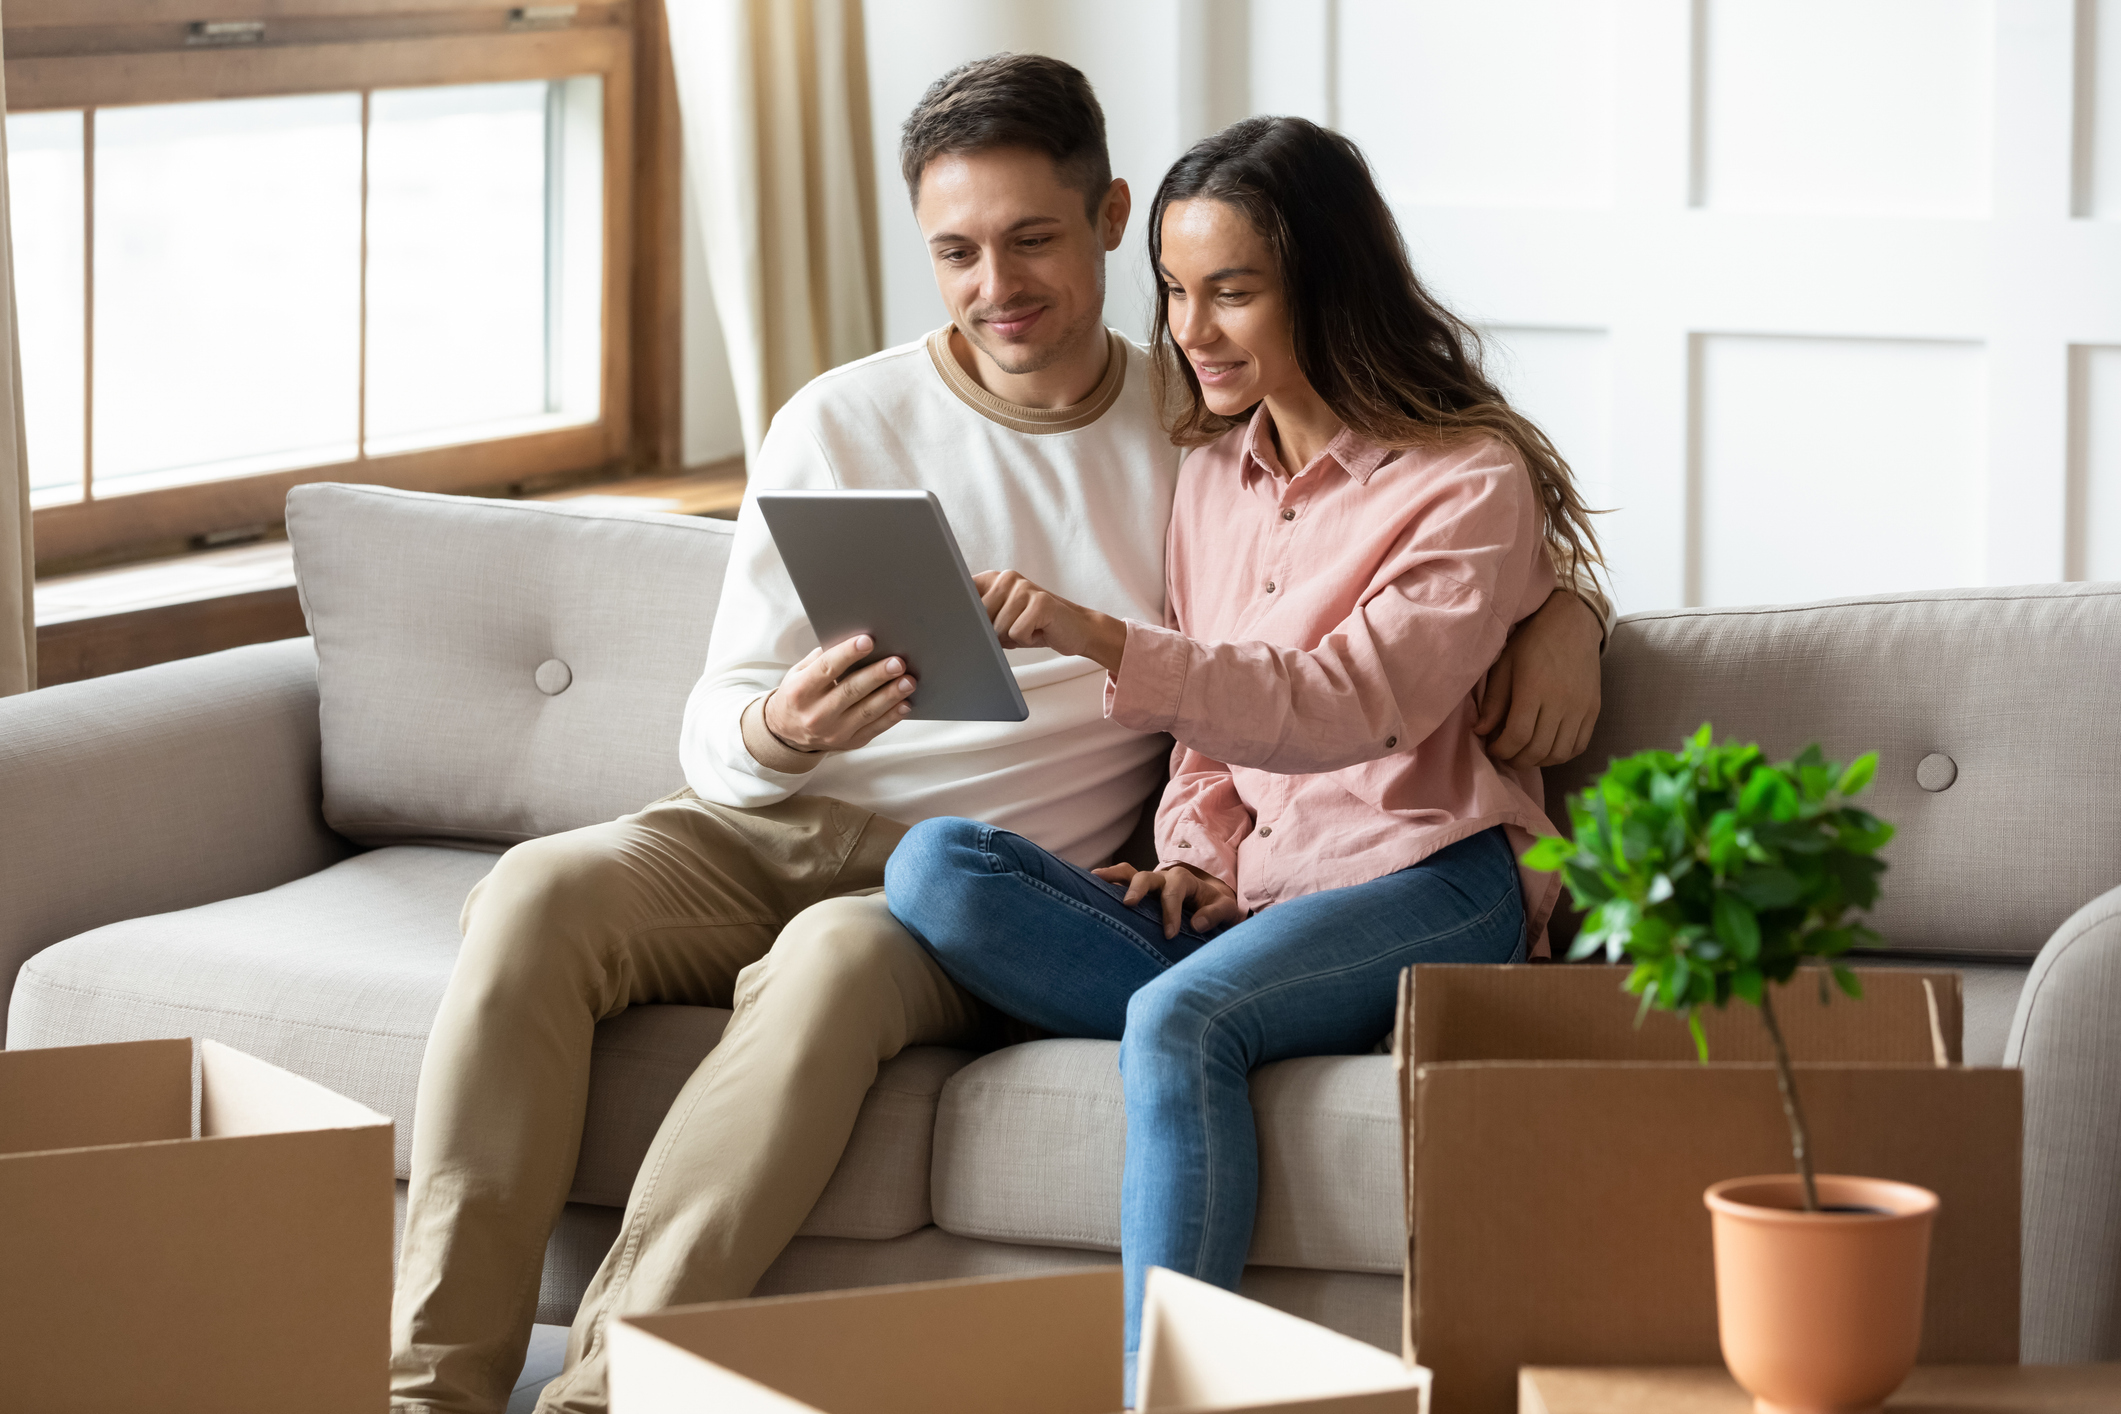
1395, 366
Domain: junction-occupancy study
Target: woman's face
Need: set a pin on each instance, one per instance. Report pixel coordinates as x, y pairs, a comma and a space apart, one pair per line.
1223, 299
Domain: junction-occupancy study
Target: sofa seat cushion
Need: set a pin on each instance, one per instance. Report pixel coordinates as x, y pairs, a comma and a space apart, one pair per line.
1029, 1144
337, 977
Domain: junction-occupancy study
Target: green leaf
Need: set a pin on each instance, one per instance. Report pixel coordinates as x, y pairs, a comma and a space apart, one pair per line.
1758, 787
1849, 982
1746, 983
1737, 925
1861, 832
1547, 855
1701, 1040
1585, 883
1636, 841
1702, 737
1828, 942
1769, 887
1858, 775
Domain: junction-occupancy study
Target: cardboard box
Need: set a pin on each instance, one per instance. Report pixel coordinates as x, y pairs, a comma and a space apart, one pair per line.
244, 1268
1557, 1157
1025, 1345
1931, 1389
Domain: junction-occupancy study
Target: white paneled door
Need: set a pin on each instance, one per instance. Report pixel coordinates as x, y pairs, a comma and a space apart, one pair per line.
1823, 296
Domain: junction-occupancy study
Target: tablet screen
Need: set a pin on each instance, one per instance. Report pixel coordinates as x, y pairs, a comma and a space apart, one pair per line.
884, 563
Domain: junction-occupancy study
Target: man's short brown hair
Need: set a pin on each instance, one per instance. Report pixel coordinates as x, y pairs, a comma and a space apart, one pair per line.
1011, 100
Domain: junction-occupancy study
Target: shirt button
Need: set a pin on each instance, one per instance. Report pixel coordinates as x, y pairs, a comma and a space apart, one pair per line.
1288, 515
1265, 830
1270, 586
1390, 742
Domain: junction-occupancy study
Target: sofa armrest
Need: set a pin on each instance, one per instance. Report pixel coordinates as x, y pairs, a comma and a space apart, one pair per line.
2066, 1037
158, 789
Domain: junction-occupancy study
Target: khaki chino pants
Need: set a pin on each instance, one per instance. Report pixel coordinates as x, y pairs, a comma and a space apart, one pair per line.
775, 912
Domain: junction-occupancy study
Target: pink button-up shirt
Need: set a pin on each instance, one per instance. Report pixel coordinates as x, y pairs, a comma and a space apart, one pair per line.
1327, 633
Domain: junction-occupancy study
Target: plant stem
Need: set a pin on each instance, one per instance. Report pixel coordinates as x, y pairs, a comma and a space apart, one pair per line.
1800, 1137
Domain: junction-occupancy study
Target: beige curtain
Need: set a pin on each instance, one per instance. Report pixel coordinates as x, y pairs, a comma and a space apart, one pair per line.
774, 97
18, 617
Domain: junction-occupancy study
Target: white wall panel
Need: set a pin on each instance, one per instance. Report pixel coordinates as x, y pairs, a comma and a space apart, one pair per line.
1563, 380
1140, 55
1501, 103
1837, 466
2098, 118
1858, 106
2097, 469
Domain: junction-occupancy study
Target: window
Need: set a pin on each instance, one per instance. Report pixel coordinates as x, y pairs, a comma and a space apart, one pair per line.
376, 250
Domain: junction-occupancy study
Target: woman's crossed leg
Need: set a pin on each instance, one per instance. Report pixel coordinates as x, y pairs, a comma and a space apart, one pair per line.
1052, 944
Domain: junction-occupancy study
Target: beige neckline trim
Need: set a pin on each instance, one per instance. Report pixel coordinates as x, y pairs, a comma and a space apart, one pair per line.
1015, 416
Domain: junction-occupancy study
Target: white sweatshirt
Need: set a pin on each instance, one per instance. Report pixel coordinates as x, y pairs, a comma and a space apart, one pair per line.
1077, 499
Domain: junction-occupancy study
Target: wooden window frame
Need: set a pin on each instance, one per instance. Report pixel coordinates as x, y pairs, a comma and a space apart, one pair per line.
64, 54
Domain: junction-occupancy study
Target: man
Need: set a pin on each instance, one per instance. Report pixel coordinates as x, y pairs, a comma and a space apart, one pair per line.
758, 887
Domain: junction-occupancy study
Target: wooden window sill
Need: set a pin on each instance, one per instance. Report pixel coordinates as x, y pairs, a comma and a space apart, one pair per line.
132, 616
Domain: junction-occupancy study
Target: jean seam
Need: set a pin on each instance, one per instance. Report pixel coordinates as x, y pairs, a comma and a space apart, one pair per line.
1000, 866
1209, 1024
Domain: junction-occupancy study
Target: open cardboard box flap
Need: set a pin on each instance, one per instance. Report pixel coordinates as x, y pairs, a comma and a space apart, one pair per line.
246, 1267
1027, 1345
1556, 1159
1577, 1012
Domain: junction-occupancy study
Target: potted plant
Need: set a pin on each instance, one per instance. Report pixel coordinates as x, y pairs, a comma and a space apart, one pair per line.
1719, 874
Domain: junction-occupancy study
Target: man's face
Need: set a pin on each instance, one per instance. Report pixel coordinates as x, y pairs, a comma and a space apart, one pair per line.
1020, 263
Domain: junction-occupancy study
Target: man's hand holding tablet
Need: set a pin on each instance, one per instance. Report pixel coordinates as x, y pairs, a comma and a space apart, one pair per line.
822, 706
880, 574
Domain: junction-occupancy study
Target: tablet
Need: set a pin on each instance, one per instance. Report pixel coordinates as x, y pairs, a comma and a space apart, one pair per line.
884, 563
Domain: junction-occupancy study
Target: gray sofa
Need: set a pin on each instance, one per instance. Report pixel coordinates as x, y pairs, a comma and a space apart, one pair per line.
270, 846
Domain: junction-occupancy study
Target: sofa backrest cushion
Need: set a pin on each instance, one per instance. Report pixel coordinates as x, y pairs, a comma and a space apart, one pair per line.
1992, 711
493, 671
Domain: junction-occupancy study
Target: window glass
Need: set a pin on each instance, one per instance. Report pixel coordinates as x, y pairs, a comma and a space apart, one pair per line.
227, 288
44, 178
485, 218
215, 251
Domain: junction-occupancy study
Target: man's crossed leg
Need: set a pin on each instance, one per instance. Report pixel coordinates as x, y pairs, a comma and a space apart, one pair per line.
776, 911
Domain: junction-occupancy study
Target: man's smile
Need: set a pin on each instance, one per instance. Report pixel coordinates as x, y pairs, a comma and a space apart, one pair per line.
1011, 325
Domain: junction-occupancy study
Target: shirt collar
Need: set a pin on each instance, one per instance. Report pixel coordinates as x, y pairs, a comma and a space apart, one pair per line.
1356, 455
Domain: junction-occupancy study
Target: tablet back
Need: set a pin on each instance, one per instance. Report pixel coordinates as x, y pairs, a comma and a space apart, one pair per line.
884, 563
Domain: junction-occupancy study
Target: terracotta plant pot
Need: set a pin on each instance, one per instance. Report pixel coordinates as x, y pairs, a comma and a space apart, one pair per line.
1820, 1313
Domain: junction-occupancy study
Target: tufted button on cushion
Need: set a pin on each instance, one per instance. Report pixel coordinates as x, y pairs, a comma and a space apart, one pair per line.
1936, 772
553, 677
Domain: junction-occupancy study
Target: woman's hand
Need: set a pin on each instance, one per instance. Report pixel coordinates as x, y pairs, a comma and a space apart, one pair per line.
1214, 902
1026, 616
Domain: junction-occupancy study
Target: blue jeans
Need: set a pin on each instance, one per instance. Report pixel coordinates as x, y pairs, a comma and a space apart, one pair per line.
1052, 944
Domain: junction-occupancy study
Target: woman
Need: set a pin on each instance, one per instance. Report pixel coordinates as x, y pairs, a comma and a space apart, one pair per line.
1362, 522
